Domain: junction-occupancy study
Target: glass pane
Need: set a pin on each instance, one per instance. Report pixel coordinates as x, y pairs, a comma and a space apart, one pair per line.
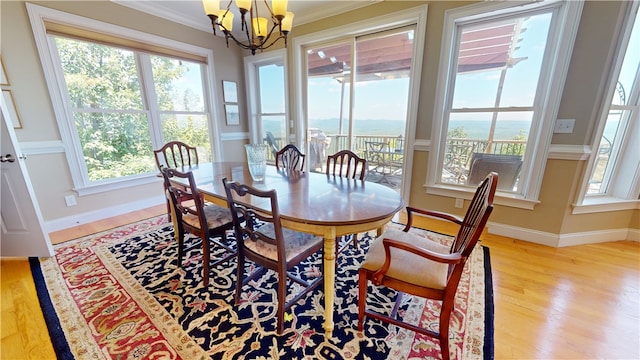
329, 70
271, 80
190, 129
618, 118
381, 100
502, 134
115, 145
628, 72
99, 76
275, 133
178, 84
499, 62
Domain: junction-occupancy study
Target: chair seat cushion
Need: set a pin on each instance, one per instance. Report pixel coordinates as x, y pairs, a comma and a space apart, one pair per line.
295, 243
406, 266
216, 216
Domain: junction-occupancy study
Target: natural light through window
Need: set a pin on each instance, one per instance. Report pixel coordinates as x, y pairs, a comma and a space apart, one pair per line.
500, 83
117, 118
622, 111
498, 70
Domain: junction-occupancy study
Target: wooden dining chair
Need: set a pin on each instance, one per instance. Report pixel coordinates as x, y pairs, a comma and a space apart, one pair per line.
290, 157
175, 154
413, 264
346, 163
207, 221
262, 239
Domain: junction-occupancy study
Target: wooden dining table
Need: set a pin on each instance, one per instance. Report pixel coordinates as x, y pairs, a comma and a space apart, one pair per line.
316, 203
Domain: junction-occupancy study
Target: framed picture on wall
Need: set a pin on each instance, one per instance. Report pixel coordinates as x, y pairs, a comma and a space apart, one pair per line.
230, 90
233, 116
5, 79
11, 106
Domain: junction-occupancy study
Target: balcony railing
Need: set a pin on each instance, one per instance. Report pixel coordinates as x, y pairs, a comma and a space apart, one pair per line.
457, 156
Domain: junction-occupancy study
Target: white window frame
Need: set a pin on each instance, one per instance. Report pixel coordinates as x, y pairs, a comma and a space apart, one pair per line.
562, 34
416, 15
624, 185
251, 64
57, 90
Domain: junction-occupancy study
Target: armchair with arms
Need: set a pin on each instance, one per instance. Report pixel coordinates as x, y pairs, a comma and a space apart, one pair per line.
415, 265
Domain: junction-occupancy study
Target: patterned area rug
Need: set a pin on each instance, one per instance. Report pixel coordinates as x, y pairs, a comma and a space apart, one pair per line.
120, 295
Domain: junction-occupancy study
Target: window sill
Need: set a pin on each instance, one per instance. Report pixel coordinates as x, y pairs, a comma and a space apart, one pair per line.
501, 198
117, 185
604, 204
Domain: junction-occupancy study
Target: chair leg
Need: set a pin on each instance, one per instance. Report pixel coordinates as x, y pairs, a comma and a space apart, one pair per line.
355, 241
240, 276
179, 234
445, 317
282, 297
206, 258
168, 211
362, 297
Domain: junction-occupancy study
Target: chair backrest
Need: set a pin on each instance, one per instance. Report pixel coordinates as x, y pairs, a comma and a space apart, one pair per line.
507, 166
347, 164
476, 216
176, 154
247, 216
184, 199
289, 157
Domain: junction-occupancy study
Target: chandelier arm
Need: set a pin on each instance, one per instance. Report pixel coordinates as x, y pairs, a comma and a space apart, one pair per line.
253, 42
274, 41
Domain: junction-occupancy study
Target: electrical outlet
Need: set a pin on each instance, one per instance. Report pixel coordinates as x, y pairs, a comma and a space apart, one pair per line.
459, 203
564, 126
70, 200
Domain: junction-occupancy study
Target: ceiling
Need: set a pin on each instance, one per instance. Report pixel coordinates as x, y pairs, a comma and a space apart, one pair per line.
191, 12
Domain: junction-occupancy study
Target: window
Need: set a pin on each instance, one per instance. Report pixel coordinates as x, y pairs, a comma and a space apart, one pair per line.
265, 74
502, 66
119, 94
362, 108
359, 87
614, 166
107, 101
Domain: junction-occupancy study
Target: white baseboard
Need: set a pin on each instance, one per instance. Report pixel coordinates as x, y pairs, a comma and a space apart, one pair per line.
84, 218
562, 240
534, 236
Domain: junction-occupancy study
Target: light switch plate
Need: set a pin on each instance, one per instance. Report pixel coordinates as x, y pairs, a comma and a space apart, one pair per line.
564, 126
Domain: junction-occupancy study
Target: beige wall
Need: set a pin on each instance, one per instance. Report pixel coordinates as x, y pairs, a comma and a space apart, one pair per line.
49, 172
561, 177
582, 90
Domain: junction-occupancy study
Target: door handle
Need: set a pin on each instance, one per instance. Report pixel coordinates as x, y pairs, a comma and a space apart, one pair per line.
7, 158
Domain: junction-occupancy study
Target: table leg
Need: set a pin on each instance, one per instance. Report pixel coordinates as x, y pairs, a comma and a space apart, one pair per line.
329, 281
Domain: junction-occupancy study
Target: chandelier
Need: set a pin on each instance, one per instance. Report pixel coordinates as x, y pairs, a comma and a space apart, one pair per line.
259, 36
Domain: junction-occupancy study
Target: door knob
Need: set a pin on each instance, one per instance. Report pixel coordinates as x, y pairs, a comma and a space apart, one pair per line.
7, 158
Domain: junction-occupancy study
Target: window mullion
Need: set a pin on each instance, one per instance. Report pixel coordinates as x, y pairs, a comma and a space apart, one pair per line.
150, 99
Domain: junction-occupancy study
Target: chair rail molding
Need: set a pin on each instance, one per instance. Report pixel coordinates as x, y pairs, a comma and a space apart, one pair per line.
234, 136
42, 147
569, 152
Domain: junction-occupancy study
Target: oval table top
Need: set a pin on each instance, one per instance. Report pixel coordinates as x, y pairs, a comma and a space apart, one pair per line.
314, 198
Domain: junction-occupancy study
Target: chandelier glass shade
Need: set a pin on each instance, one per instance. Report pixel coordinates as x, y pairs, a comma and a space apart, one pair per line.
259, 35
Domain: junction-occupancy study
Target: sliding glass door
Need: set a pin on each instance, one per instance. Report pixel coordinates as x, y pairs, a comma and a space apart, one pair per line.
357, 99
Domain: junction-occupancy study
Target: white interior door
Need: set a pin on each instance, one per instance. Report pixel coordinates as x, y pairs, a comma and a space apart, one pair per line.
22, 233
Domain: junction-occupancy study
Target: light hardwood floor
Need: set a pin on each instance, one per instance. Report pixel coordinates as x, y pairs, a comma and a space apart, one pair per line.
579, 302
